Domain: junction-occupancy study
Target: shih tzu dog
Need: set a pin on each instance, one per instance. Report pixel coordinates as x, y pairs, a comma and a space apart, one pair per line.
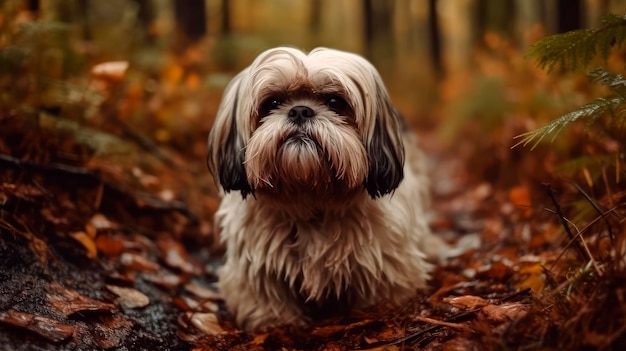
324, 190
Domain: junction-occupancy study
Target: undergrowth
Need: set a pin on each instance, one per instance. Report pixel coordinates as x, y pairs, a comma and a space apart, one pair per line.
590, 286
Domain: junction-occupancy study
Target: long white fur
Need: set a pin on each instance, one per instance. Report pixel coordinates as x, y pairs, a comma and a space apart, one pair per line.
310, 232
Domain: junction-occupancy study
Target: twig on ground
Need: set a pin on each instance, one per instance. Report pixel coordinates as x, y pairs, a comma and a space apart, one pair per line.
600, 212
564, 222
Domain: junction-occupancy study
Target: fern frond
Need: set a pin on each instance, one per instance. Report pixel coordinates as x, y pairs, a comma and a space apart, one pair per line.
575, 49
590, 112
615, 82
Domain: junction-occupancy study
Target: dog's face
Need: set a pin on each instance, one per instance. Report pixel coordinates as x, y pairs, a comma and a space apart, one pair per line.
319, 125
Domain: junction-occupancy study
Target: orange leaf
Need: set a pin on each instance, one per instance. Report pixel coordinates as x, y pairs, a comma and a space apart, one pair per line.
87, 242
110, 246
534, 278
520, 196
113, 71
174, 74
193, 81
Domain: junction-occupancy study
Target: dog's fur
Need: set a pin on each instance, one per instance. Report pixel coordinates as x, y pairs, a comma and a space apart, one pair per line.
323, 211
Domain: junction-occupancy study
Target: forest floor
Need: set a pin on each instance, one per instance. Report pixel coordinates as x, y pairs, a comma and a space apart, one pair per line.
118, 253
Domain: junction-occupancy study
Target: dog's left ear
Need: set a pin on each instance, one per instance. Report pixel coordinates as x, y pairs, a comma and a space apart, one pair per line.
225, 153
385, 149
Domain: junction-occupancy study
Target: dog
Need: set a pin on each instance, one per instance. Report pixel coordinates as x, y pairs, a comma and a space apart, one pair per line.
324, 189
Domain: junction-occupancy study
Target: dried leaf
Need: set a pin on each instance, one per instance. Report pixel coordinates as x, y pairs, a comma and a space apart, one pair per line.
520, 196
110, 246
534, 278
203, 292
69, 302
100, 222
91, 231
45, 327
328, 330
206, 322
175, 255
112, 71
165, 280
467, 301
187, 303
87, 242
259, 339
129, 297
138, 263
499, 271
505, 312
147, 180
112, 331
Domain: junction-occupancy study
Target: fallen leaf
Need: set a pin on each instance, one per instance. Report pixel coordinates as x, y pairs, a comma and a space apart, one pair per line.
467, 301
193, 81
112, 71
45, 327
112, 331
129, 297
91, 231
87, 242
259, 339
206, 322
187, 303
175, 255
328, 330
69, 302
164, 280
521, 198
146, 180
499, 271
203, 292
110, 246
101, 222
504, 312
533, 277
138, 263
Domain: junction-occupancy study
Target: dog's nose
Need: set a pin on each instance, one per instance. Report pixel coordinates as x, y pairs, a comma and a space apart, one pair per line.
299, 114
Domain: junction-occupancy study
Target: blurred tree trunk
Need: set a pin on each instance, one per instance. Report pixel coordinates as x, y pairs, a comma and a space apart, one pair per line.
226, 26
316, 15
34, 7
529, 14
83, 11
563, 15
434, 33
495, 16
593, 10
368, 25
457, 33
570, 15
145, 15
378, 29
191, 22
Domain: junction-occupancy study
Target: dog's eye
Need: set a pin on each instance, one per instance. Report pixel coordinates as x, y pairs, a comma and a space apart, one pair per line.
268, 105
336, 103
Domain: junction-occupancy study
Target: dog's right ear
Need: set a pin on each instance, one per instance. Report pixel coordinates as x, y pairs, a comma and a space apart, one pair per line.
225, 151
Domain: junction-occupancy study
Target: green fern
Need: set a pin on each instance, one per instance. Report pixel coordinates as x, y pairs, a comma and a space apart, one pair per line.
574, 50
613, 105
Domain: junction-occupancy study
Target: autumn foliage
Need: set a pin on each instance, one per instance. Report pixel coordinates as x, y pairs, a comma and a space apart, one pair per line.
106, 237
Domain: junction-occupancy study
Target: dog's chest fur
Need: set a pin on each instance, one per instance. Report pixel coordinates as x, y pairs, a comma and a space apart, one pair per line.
349, 257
